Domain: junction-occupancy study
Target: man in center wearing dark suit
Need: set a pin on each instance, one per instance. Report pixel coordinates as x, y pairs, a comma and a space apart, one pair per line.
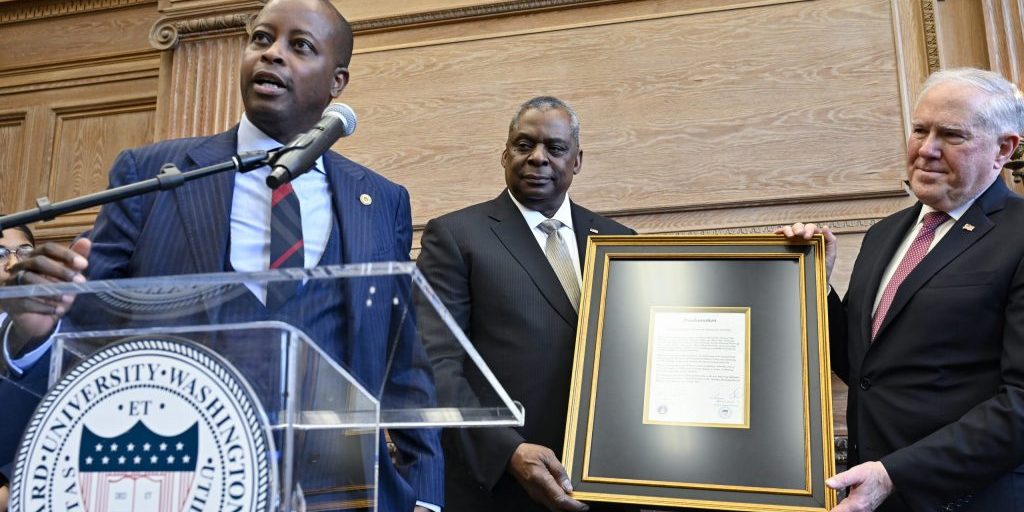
514, 289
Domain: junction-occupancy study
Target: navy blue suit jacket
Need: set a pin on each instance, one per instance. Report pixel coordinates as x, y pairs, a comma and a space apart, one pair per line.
187, 231
938, 396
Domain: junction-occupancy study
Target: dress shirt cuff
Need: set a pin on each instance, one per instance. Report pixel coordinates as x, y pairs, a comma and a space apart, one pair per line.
429, 506
20, 365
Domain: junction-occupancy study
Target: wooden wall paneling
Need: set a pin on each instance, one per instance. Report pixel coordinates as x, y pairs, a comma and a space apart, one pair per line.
86, 140
60, 56
202, 43
960, 29
1004, 29
93, 31
203, 93
409, 11
66, 152
916, 50
28, 175
419, 27
12, 140
740, 106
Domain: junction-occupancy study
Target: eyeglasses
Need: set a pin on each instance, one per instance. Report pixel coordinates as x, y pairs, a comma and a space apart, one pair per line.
21, 252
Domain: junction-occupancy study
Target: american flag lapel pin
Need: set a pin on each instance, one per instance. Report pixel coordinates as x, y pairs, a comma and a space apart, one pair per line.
968, 227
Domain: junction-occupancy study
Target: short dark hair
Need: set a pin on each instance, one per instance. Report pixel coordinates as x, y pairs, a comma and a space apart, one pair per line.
344, 38
23, 229
546, 103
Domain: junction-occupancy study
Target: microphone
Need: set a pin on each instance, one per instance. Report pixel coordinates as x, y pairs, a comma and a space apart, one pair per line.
299, 156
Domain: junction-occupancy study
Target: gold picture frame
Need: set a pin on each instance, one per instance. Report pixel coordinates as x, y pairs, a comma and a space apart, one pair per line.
747, 396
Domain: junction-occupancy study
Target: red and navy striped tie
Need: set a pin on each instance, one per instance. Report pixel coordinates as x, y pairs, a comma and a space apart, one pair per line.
285, 242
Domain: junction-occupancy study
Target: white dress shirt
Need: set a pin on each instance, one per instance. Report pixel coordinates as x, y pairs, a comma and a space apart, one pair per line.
564, 214
940, 232
250, 211
18, 366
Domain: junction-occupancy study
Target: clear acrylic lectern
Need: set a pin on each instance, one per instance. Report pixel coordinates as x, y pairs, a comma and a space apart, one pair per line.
174, 393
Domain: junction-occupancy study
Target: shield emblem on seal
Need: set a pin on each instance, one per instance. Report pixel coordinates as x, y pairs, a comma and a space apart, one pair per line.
137, 470
154, 424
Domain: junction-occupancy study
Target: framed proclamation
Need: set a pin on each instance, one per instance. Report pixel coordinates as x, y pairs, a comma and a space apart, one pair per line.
701, 375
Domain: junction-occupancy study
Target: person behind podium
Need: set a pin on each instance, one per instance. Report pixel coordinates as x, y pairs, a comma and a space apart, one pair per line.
519, 308
930, 336
15, 245
295, 62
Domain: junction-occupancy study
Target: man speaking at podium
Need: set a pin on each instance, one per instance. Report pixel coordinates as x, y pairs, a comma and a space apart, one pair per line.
295, 62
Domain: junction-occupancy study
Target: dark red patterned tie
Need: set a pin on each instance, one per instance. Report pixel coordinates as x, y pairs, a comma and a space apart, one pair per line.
285, 242
917, 251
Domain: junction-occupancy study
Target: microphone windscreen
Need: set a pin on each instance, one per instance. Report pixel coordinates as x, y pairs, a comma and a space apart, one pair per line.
345, 113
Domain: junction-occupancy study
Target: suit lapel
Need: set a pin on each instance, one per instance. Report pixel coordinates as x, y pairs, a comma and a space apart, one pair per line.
954, 243
205, 205
881, 256
515, 235
356, 224
583, 225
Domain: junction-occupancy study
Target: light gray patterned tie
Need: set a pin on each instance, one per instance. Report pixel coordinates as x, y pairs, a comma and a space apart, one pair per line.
561, 262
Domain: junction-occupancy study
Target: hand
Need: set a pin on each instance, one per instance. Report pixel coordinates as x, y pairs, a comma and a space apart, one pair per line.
870, 485
539, 472
36, 317
417, 508
799, 232
4, 492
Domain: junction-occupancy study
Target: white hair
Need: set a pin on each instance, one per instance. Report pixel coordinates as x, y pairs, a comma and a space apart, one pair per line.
1002, 113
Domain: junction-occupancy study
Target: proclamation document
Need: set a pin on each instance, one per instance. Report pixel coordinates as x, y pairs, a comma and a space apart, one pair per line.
698, 368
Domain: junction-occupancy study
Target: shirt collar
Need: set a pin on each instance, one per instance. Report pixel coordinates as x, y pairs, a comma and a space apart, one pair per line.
534, 218
251, 138
955, 214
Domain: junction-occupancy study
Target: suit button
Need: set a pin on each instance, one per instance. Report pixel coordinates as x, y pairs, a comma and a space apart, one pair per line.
865, 383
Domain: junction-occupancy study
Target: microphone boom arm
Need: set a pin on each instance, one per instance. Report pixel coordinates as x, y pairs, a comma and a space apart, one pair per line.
170, 177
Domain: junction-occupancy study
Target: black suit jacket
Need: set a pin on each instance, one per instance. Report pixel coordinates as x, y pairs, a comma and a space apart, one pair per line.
486, 266
938, 397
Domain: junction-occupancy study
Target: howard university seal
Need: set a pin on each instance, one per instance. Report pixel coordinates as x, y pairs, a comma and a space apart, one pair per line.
146, 425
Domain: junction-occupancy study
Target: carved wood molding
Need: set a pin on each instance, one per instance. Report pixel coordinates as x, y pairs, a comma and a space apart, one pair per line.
27, 11
931, 37
754, 203
135, 75
478, 11
85, 72
167, 33
838, 226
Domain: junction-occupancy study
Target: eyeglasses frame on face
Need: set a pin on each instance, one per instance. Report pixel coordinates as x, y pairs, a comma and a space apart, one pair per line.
21, 252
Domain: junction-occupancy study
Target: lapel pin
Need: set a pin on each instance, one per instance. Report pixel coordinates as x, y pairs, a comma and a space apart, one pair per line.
968, 227
594, 231
366, 199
